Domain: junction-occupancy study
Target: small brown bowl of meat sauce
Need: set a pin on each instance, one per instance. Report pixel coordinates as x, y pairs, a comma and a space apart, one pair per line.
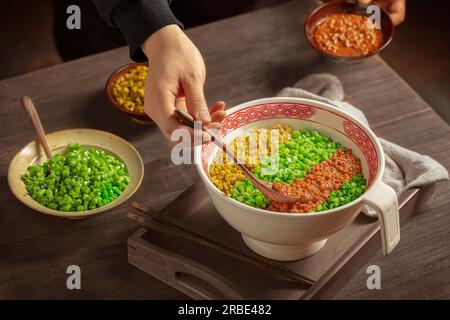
339, 31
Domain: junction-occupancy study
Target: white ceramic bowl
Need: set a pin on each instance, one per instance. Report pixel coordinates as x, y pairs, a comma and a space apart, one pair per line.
287, 236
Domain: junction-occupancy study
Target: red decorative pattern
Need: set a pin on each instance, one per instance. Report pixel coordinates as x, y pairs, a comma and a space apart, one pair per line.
266, 111
255, 113
207, 149
360, 138
295, 111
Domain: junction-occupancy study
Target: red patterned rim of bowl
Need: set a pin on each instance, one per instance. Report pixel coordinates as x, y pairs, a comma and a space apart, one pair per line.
301, 111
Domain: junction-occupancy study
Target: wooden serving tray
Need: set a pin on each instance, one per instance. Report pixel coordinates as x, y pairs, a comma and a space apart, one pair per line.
204, 273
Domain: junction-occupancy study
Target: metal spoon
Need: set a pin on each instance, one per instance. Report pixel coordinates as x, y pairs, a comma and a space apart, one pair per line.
263, 186
31, 110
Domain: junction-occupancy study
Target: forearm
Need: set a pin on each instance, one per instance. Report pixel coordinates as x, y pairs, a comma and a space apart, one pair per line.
137, 20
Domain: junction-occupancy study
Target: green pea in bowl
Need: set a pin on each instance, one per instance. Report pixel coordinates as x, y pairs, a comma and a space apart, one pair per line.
33, 155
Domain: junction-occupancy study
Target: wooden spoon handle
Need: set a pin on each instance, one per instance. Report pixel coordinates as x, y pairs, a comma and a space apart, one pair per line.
188, 120
32, 113
185, 117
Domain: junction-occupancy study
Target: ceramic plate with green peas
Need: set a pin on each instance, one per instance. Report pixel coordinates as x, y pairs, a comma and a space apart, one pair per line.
91, 171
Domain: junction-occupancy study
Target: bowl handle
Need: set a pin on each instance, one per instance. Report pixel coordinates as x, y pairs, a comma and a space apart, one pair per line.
383, 199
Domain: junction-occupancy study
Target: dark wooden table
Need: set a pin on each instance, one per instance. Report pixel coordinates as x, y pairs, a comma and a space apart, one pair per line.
248, 56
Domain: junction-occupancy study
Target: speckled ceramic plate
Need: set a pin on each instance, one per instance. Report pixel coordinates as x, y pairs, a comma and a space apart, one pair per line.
33, 153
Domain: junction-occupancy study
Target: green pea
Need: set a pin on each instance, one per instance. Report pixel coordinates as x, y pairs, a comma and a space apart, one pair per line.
69, 182
294, 159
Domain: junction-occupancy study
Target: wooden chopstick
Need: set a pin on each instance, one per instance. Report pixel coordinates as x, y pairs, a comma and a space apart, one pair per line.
170, 226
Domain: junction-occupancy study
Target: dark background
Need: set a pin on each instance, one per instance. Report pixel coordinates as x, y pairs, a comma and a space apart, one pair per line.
33, 35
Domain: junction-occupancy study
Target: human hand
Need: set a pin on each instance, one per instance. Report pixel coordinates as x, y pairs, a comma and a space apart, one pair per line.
176, 78
396, 9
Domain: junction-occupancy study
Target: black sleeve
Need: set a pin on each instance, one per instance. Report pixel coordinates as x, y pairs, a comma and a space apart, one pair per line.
137, 20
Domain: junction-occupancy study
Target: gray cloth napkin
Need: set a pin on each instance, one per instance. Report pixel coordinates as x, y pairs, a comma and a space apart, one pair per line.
404, 168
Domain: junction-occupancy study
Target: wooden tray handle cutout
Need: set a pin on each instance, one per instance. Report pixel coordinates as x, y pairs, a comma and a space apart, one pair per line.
187, 275
205, 284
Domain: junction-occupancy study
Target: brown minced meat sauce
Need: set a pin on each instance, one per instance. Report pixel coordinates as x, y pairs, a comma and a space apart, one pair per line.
316, 186
347, 35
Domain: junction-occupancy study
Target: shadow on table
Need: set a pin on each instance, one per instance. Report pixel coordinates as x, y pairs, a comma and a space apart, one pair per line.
33, 238
287, 74
108, 118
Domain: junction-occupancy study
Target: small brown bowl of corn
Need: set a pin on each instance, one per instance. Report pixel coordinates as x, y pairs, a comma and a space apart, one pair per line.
125, 89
